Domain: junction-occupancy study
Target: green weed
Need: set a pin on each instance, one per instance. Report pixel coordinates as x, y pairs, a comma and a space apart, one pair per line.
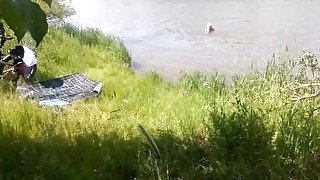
198, 128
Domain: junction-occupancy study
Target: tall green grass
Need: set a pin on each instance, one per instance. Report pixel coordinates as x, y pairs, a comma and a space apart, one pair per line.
198, 128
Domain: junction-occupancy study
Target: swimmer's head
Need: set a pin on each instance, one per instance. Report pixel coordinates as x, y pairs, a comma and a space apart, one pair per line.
209, 29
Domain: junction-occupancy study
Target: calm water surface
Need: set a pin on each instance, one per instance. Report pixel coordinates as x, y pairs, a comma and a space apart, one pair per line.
167, 35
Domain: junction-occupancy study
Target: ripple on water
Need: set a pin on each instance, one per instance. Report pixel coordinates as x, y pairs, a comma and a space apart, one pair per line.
170, 33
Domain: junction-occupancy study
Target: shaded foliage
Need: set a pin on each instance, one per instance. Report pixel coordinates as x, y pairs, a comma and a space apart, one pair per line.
24, 16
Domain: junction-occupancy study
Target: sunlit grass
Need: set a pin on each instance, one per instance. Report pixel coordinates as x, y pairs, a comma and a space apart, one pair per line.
203, 127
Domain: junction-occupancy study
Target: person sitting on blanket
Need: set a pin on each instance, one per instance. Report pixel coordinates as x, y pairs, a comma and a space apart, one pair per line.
26, 63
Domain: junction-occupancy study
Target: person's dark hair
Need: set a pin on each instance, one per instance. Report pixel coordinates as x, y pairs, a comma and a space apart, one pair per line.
17, 51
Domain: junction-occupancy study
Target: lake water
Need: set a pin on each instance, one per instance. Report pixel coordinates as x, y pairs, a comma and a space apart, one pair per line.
167, 36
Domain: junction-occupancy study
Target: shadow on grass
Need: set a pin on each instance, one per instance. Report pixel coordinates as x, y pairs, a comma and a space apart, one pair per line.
239, 145
43, 75
86, 158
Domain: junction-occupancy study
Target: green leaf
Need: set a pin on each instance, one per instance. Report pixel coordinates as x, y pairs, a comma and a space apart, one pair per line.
48, 2
11, 15
22, 16
35, 20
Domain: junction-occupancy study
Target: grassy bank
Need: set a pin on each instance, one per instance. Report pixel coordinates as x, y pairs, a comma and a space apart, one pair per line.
198, 128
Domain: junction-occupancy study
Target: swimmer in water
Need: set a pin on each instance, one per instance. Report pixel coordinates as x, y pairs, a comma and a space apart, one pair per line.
209, 29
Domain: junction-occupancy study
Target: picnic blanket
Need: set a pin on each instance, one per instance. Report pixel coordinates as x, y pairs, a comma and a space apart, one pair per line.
60, 91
